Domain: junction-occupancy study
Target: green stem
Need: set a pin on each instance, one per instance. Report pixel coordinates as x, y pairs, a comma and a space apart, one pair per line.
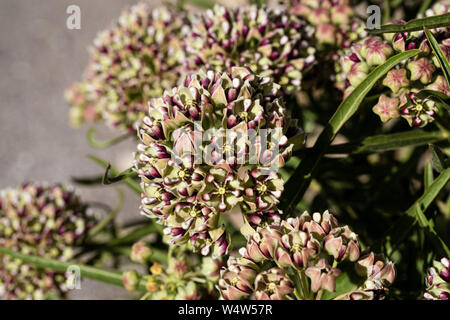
387, 11
107, 276
135, 235
305, 286
105, 222
98, 144
127, 181
424, 6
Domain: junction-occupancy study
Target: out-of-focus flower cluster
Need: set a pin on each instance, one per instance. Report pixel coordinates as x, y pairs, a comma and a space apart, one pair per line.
438, 281
271, 43
306, 250
198, 158
181, 279
135, 60
41, 220
405, 84
335, 27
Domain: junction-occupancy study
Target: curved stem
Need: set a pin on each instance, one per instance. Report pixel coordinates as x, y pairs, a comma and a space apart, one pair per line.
105, 222
98, 144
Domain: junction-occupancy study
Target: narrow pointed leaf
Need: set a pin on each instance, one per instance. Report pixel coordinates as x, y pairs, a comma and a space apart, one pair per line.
415, 25
381, 143
440, 55
438, 158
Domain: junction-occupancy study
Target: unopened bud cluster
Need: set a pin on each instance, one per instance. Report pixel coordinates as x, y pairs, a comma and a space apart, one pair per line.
335, 28
210, 114
306, 250
271, 43
133, 61
43, 220
438, 281
181, 279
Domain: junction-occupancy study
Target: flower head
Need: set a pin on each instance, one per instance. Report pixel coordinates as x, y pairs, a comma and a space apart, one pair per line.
438, 281
48, 221
271, 43
387, 108
335, 27
173, 281
309, 249
133, 61
210, 146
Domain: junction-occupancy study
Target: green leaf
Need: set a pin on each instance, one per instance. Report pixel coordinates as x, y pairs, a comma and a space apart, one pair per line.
415, 214
299, 181
381, 143
98, 144
424, 6
415, 25
127, 181
428, 175
421, 218
441, 57
427, 198
438, 159
347, 282
107, 276
128, 173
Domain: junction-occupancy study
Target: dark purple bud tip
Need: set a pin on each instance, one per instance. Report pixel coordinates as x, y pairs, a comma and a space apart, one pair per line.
445, 274
417, 122
404, 111
411, 46
444, 295
354, 57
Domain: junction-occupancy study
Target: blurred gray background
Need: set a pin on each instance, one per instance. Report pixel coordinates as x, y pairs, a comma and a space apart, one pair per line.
39, 58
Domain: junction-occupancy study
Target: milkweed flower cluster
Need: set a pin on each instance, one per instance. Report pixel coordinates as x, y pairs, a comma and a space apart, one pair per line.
42, 220
407, 84
203, 153
438, 281
135, 60
181, 279
307, 250
270, 42
334, 21
335, 27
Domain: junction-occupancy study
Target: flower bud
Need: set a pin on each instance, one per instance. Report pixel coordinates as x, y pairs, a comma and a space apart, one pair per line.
140, 252
130, 280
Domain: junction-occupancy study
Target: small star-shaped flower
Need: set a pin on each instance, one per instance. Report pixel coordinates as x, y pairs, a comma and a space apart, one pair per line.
396, 79
326, 33
375, 51
421, 69
440, 85
386, 108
